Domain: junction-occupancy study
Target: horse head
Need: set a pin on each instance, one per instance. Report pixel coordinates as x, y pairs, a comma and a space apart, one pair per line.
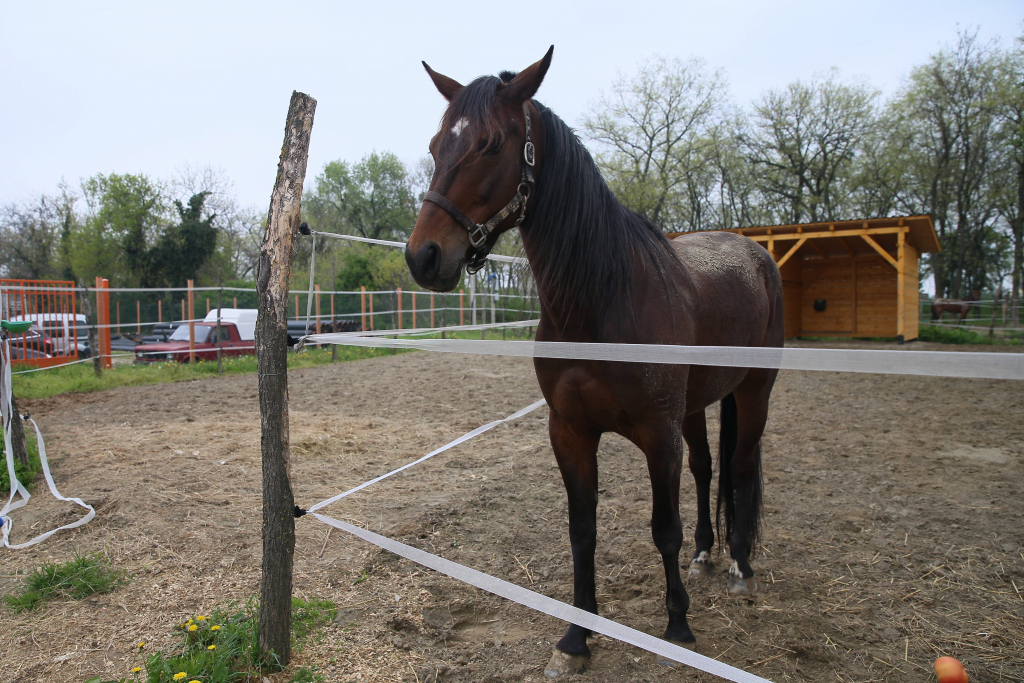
486, 154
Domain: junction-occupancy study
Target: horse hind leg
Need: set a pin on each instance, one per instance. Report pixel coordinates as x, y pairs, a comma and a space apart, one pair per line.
740, 480
577, 461
695, 432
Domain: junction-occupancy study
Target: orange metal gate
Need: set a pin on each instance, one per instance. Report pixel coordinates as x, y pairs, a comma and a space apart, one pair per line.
50, 305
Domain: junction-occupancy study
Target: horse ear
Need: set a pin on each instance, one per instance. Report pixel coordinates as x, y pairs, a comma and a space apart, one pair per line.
448, 87
527, 82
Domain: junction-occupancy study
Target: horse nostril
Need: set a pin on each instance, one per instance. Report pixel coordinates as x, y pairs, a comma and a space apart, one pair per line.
428, 260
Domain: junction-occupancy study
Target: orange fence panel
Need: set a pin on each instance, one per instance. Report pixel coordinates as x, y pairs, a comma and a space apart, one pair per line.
58, 327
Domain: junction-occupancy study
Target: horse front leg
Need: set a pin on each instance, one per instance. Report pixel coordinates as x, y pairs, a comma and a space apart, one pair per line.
577, 461
695, 432
664, 451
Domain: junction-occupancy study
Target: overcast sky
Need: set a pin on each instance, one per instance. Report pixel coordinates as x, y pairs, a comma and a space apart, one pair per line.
102, 87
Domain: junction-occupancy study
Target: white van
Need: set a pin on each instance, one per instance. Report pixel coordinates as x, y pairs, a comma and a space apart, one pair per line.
69, 333
243, 318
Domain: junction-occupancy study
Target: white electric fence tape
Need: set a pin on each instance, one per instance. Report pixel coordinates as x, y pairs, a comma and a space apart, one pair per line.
7, 413
929, 363
451, 444
511, 591
401, 245
549, 606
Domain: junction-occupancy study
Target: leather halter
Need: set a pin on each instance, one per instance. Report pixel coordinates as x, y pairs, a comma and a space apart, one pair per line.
478, 232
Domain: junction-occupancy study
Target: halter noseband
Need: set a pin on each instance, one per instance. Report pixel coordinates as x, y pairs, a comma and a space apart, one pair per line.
478, 232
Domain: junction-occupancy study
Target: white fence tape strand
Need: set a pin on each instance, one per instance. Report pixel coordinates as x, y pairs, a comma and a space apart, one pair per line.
929, 363
451, 444
8, 416
549, 606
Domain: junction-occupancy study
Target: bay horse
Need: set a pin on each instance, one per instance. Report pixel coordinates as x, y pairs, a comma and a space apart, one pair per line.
958, 307
606, 274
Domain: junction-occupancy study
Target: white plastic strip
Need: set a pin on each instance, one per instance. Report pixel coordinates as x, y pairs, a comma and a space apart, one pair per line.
549, 606
401, 245
451, 444
929, 363
7, 413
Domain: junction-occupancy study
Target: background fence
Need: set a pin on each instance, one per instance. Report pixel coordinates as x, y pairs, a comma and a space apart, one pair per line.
123, 317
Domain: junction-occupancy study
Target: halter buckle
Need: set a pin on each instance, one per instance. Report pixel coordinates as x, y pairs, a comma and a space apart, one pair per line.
478, 236
529, 153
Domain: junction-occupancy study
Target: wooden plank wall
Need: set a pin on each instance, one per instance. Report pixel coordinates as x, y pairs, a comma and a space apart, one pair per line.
860, 295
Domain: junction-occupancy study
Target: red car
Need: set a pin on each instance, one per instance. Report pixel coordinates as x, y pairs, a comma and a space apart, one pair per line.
176, 347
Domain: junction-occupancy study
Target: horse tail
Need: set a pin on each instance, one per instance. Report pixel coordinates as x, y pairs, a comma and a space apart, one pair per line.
729, 425
935, 313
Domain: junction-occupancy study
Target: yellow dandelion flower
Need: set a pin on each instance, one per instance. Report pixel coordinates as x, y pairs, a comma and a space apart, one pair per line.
200, 617
215, 627
212, 647
193, 627
136, 669
193, 682
189, 622
180, 675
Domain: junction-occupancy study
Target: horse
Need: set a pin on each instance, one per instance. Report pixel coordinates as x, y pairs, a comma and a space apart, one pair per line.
958, 307
502, 160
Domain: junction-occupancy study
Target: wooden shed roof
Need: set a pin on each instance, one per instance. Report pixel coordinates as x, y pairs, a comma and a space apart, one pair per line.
842, 238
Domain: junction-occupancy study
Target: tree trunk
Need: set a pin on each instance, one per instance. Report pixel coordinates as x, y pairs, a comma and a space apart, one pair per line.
18, 436
273, 274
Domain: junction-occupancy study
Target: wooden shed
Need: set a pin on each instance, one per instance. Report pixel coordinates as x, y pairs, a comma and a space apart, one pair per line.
850, 278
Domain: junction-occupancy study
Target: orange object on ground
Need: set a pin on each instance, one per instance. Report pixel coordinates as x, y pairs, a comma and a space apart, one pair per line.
950, 670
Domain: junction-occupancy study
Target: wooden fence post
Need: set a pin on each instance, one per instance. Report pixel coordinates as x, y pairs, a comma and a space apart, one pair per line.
399, 308
191, 325
362, 298
273, 274
103, 316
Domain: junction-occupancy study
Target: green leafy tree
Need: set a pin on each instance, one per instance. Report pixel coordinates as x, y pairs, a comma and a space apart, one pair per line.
373, 198
124, 215
183, 248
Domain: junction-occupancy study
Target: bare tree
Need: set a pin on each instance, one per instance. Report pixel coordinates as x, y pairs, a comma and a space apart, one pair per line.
947, 120
802, 140
651, 130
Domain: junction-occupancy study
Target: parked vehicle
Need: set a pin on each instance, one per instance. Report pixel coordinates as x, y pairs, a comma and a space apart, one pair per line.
237, 338
67, 333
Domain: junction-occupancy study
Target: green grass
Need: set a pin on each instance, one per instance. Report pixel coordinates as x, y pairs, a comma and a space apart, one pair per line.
81, 378
78, 578
956, 335
26, 475
224, 647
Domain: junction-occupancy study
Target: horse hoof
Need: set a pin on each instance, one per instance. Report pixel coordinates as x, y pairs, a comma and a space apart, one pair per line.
563, 664
661, 660
741, 587
701, 570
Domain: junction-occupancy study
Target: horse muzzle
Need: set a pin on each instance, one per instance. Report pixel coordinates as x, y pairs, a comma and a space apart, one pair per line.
431, 269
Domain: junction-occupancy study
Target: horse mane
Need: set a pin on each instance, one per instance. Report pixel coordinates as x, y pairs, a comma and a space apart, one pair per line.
586, 242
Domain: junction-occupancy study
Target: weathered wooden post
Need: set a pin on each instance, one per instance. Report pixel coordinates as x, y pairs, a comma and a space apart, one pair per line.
273, 274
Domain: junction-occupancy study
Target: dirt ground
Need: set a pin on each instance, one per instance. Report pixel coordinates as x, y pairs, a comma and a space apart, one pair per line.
894, 527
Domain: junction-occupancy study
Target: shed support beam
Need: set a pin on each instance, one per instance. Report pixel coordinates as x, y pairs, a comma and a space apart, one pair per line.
901, 297
792, 250
883, 252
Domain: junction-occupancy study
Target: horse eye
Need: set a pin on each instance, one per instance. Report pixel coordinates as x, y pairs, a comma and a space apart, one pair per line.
493, 148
